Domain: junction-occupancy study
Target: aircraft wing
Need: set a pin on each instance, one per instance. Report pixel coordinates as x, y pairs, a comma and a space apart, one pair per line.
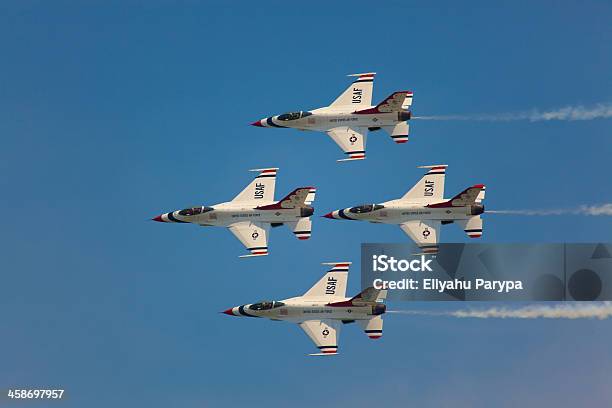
261, 189
425, 233
351, 140
253, 235
430, 187
359, 94
324, 334
333, 284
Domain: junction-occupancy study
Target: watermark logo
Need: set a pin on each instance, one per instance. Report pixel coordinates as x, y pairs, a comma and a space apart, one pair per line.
385, 263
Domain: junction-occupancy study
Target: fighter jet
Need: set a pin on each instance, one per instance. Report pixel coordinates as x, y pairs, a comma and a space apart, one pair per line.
348, 119
323, 309
422, 210
251, 213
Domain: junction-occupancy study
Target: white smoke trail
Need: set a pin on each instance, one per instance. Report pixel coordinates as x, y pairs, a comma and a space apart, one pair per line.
595, 310
599, 111
594, 210
531, 212
604, 209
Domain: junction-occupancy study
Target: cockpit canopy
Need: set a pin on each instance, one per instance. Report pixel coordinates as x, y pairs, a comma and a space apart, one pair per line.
266, 305
293, 115
195, 210
366, 208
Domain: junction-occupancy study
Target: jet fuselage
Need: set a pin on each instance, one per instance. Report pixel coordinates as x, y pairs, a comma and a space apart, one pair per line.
228, 213
324, 119
400, 211
299, 309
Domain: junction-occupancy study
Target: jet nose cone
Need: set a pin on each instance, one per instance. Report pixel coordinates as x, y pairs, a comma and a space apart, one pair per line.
257, 123
158, 219
329, 215
229, 311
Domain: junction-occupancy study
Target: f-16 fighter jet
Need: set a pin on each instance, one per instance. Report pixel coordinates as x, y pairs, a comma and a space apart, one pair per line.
348, 119
323, 309
251, 213
423, 209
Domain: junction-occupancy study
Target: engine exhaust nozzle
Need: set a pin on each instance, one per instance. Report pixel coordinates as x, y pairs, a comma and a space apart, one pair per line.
477, 209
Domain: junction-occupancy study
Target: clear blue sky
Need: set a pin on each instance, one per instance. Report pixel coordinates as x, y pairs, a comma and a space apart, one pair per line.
113, 112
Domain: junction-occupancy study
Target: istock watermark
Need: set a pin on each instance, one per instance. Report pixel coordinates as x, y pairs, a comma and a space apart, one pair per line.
489, 272
383, 263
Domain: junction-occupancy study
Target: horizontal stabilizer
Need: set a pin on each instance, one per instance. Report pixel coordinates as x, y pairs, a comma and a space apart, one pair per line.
399, 132
373, 328
301, 228
472, 226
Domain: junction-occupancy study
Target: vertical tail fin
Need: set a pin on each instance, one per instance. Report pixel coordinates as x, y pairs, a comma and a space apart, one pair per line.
481, 195
470, 195
393, 103
408, 101
369, 295
298, 198
311, 196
